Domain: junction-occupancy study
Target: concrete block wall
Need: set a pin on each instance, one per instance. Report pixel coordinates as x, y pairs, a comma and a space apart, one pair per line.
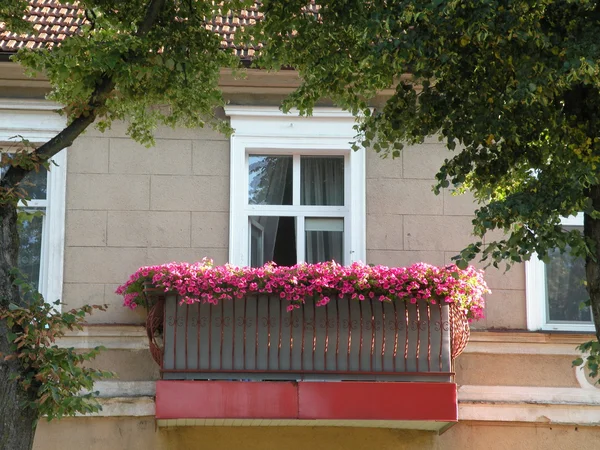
129, 206
408, 223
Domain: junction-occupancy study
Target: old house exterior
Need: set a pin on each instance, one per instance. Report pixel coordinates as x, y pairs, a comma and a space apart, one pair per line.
112, 206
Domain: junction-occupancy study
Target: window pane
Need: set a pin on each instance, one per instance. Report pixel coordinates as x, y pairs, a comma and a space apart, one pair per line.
34, 182
322, 180
272, 238
565, 288
324, 239
270, 180
30, 250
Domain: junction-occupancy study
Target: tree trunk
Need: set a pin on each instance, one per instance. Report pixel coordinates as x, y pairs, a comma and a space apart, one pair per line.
591, 230
17, 421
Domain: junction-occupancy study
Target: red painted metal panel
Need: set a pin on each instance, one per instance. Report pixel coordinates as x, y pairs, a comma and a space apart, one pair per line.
306, 400
377, 401
226, 399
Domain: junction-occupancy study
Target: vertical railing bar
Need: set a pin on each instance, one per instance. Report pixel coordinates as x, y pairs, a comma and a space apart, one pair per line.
383, 334
187, 313
407, 325
373, 321
451, 340
222, 332
256, 338
428, 338
268, 332
198, 335
175, 322
361, 336
337, 333
210, 306
165, 324
349, 332
418, 334
233, 335
279, 341
314, 349
326, 336
303, 330
244, 320
291, 313
441, 335
395, 335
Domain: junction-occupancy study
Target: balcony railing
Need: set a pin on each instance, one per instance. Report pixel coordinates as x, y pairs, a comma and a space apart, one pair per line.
256, 338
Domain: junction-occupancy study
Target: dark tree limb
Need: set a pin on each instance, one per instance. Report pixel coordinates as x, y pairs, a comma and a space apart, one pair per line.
104, 87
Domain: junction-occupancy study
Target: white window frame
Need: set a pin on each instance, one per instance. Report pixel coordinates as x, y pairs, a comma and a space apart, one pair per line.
537, 308
266, 130
38, 121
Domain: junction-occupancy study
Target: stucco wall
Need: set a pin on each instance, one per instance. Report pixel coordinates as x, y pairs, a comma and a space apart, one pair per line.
129, 206
408, 223
140, 433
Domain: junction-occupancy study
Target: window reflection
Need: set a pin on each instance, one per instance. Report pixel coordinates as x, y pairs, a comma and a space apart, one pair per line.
270, 180
565, 287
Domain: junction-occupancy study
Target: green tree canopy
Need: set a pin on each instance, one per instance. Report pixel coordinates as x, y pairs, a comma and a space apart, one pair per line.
511, 86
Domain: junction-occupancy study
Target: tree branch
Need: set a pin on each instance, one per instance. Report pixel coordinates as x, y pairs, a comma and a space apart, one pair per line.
14, 175
152, 10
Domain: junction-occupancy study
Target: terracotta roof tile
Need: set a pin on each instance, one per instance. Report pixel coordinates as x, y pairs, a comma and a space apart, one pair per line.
56, 20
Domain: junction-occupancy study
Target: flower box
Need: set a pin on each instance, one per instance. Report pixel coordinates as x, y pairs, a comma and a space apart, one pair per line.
310, 322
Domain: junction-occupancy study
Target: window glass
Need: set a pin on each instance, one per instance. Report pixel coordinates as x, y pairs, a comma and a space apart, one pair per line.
269, 180
272, 238
322, 180
30, 250
565, 288
324, 239
34, 182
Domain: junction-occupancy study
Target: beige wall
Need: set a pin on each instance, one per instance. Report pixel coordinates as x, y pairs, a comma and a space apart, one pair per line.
129, 206
408, 223
140, 433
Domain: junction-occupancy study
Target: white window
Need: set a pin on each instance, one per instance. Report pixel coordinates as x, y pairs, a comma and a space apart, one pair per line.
297, 188
42, 235
556, 290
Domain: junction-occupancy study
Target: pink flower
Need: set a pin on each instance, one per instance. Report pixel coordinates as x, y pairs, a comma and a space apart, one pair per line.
203, 282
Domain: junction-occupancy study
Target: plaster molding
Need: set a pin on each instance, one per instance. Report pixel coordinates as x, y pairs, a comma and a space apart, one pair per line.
529, 395
113, 337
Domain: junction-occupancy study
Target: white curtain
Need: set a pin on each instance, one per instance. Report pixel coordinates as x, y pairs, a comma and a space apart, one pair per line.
323, 184
270, 190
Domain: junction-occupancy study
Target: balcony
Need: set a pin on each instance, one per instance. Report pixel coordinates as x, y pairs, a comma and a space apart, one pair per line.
318, 345
392, 361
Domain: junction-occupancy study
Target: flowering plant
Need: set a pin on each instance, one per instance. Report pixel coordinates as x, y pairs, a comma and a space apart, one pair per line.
203, 282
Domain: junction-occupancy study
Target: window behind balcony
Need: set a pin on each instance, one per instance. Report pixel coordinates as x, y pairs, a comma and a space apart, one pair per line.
297, 189
299, 206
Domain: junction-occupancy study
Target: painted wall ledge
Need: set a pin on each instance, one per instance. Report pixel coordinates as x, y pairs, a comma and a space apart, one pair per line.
126, 336
475, 403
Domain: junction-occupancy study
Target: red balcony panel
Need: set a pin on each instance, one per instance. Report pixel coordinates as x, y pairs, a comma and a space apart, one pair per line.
328, 401
226, 399
378, 401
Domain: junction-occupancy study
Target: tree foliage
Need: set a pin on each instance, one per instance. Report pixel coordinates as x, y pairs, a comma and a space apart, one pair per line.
54, 378
147, 62
511, 85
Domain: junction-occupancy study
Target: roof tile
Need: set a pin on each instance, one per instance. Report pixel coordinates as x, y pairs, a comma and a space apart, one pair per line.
56, 20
